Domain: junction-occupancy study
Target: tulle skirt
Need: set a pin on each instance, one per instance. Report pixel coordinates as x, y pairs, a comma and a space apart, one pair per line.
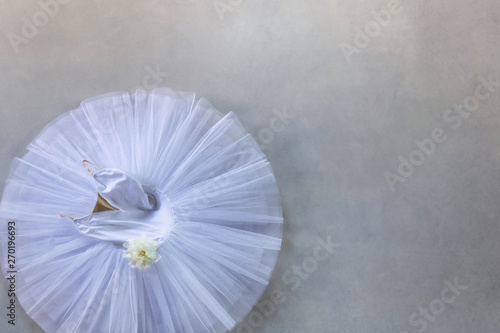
220, 251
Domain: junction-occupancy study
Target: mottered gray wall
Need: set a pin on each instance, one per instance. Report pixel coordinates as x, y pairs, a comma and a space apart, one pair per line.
380, 119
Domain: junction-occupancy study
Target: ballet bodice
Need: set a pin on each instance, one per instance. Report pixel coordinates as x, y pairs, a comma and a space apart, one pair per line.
126, 210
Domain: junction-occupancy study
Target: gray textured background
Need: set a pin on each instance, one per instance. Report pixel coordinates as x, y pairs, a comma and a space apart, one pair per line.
350, 118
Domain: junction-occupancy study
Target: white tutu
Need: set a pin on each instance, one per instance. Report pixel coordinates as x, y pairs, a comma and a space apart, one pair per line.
171, 171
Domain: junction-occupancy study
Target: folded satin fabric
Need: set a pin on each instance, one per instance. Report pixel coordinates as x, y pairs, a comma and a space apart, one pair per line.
122, 191
140, 210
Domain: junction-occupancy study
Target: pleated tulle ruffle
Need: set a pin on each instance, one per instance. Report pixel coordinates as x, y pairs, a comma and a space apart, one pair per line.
226, 219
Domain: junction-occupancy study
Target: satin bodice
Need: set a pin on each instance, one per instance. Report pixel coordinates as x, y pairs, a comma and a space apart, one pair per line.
137, 210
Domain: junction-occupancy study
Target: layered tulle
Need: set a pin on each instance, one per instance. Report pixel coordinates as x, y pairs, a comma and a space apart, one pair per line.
219, 253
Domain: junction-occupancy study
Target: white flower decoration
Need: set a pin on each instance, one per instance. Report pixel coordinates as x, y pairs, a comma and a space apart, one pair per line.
141, 252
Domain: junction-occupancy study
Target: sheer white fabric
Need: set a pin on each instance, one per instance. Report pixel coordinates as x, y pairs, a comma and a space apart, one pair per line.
178, 171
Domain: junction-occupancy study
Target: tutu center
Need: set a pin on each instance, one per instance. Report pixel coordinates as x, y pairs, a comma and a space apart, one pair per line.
134, 210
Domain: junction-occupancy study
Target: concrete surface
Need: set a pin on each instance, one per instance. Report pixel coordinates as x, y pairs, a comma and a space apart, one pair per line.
378, 151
